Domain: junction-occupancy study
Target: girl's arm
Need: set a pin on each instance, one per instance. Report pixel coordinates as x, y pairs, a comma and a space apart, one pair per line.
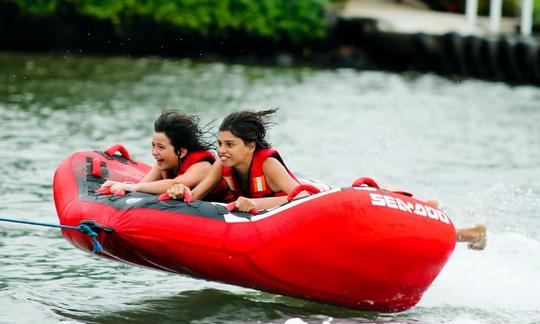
279, 179
190, 178
202, 189
153, 175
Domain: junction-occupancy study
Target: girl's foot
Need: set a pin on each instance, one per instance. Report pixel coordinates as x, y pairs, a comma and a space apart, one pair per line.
432, 203
476, 236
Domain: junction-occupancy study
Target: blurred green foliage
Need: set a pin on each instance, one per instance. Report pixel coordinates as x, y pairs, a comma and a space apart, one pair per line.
292, 21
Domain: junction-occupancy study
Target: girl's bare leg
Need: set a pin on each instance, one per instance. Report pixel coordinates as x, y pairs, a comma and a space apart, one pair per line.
476, 236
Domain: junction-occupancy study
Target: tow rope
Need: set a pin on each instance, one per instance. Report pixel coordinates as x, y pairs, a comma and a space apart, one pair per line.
87, 227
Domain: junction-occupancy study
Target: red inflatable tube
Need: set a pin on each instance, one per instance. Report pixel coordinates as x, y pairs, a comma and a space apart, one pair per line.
359, 247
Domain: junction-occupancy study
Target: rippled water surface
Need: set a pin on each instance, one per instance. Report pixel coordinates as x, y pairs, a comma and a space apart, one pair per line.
473, 145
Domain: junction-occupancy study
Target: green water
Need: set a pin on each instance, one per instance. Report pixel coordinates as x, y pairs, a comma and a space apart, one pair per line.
474, 145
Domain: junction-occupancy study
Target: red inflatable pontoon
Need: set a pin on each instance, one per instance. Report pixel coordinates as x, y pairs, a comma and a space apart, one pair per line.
359, 247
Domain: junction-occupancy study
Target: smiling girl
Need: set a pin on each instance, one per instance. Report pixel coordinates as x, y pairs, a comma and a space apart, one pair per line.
257, 176
181, 154
254, 173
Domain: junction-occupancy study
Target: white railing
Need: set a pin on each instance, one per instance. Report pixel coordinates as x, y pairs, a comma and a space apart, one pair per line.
495, 8
471, 11
526, 17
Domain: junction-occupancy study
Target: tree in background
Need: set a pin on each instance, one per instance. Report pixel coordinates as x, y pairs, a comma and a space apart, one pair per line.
272, 20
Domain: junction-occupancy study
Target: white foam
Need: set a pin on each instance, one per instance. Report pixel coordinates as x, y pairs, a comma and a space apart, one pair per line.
504, 276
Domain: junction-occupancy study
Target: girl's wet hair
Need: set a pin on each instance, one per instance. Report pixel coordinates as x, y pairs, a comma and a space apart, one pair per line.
183, 130
250, 126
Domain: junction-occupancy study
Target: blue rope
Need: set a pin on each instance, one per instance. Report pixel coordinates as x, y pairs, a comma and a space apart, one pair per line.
83, 228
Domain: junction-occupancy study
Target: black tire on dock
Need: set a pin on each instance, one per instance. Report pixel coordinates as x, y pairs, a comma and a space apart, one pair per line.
421, 52
476, 66
426, 49
488, 55
526, 57
454, 54
507, 60
438, 55
537, 65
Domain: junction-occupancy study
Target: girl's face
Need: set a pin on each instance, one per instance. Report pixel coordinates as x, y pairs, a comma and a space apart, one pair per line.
233, 151
163, 151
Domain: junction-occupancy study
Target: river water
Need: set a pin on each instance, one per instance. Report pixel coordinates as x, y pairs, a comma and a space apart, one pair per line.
473, 145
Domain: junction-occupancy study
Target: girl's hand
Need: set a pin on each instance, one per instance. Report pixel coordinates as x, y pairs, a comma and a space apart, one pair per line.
116, 185
177, 191
108, 183
245, 204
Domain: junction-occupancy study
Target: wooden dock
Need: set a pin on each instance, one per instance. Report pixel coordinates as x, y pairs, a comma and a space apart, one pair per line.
404, 35
411, 17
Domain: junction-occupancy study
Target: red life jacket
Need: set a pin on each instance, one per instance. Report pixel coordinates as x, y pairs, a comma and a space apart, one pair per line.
220, 192
190, 159
258, 188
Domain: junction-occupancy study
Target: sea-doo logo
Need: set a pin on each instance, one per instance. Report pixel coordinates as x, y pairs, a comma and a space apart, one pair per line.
418, 209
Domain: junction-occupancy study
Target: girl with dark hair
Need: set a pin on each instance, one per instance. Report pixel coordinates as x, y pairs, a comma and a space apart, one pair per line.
254, 173
181, 154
